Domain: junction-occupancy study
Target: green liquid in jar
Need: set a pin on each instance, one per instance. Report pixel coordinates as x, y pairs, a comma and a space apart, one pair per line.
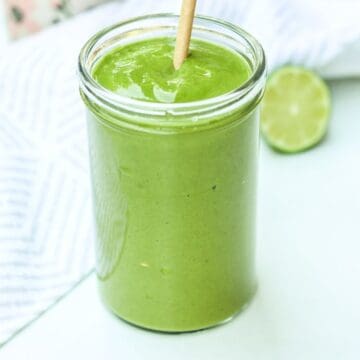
175, 212
144, 71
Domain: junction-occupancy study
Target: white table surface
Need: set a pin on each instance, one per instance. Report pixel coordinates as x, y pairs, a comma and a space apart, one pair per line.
308, 303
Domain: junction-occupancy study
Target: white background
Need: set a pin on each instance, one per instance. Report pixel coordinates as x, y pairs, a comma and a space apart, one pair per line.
308, 303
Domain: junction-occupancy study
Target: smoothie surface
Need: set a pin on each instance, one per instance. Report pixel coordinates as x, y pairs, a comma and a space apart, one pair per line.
144, 71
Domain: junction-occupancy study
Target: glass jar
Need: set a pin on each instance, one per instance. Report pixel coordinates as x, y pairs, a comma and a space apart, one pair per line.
174, 188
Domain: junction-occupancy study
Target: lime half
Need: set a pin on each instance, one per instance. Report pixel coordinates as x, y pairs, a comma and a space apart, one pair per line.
295, 109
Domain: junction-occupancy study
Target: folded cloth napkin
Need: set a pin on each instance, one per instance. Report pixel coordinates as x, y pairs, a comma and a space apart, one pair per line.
45, 224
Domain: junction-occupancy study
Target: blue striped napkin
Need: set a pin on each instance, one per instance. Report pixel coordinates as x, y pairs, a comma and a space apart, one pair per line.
45, 208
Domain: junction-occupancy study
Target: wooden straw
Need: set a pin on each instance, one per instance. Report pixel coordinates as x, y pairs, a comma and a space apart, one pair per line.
184, 32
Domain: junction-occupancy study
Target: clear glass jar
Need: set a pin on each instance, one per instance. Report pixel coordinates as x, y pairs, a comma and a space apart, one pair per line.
174, 188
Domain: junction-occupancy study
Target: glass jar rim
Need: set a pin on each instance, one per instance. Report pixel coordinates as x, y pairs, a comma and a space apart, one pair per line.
112, 100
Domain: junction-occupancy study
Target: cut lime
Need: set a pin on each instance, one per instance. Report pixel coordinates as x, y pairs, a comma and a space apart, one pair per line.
295, 109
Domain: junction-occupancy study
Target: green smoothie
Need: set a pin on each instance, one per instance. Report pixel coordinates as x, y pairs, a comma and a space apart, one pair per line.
174, 210
145, 71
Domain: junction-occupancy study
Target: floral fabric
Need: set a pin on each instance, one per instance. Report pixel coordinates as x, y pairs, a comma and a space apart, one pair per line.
28, 16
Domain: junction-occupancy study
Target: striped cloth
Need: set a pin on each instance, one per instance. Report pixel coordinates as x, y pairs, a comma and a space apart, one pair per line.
45, 223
